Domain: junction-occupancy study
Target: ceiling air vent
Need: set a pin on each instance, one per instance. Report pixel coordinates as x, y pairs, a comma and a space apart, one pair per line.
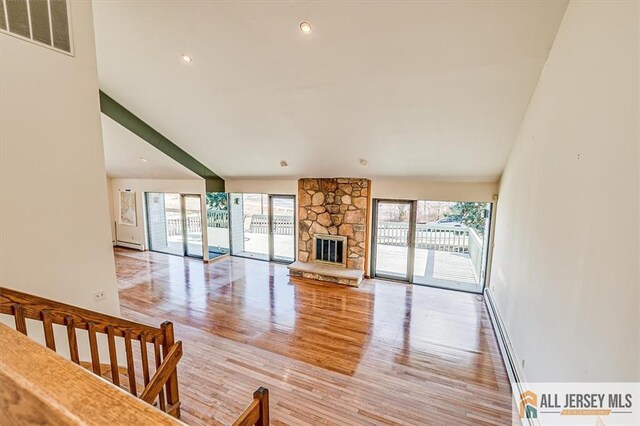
45, 22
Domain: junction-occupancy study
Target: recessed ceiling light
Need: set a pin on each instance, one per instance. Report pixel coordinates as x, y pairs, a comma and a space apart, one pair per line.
144, 160
305, 27
364, 162
186, 58
283, 163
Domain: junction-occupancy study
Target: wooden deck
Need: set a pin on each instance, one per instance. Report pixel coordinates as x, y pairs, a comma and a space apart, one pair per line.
384, 353
434, 268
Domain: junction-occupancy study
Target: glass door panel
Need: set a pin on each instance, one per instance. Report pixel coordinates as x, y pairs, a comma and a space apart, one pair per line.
250, 225
393, 231
164, 223
451, 242
282, 241
192, 225
217, 224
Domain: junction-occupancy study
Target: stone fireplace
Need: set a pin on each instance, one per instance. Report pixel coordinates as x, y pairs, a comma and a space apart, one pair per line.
332, 223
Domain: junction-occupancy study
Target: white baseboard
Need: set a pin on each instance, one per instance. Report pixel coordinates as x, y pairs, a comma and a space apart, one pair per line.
130, 245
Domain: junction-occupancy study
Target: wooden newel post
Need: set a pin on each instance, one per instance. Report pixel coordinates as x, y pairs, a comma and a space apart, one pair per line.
263, 396
173, 399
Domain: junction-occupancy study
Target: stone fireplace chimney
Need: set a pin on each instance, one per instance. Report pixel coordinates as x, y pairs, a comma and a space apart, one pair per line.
334, 207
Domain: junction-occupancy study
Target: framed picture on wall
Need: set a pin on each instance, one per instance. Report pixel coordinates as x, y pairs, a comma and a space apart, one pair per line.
128, 213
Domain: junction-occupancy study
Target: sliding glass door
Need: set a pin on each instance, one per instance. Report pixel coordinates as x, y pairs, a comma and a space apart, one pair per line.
283, 240
250, 225
217, 224
452, 240
174, 224
164, 223
432, 243
263, 226
393, 253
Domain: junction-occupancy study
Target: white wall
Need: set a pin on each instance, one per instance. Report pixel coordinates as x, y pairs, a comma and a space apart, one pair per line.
136, 234
263, 186
400, 188
53, 191
112, 211
565, 270
416, 189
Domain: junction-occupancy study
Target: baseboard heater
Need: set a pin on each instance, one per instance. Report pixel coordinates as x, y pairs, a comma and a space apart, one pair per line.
516, 377
130, 245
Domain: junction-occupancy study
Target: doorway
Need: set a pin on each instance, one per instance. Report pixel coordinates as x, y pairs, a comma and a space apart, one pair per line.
174, 223
432, 243
263, 226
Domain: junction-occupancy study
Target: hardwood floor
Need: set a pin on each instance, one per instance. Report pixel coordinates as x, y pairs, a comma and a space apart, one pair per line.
384, 353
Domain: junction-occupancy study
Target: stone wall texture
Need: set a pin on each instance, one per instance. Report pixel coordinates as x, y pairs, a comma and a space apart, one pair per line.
333, 207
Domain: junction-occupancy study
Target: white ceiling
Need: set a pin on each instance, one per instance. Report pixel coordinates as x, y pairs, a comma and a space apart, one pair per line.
431, 89
123, 152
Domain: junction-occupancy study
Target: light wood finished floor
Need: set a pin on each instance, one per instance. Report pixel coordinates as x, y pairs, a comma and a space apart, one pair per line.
384, 353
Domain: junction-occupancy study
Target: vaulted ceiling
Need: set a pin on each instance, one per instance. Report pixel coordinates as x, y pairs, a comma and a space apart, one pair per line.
128, 156
426, 89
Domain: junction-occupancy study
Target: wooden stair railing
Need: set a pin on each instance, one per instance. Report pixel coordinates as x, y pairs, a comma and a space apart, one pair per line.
257, 413
161, 387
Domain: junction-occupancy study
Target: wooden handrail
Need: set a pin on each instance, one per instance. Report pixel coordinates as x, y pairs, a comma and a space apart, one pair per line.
257, 413
162, 374
163, 387
31, 307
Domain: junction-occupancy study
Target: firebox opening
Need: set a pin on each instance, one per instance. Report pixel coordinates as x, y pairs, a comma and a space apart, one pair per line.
330, 249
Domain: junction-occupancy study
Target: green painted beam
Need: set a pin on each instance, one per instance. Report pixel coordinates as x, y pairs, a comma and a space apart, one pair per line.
126, 118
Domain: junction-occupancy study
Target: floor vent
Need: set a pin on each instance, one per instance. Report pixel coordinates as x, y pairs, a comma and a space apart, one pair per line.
45, 22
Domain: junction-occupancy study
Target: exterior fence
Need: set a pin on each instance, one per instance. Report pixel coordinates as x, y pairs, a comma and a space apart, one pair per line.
282, 225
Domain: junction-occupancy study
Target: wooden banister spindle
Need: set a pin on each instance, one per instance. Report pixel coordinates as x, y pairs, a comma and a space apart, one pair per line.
73, 341
131, 372
145, 359
173, 398
156, 353
113, 356
21, 322
93, 345
47, 325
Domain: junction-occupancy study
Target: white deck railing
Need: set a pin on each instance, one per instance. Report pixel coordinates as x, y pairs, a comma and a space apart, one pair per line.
434, 237
282, 225
428, 236
475, 250
215, 219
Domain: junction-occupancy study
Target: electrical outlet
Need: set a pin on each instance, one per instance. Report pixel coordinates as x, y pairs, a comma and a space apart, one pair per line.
98, 296
523, 363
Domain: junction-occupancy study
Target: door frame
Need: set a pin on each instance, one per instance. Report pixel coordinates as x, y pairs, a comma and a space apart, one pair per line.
272, 235
411, 249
